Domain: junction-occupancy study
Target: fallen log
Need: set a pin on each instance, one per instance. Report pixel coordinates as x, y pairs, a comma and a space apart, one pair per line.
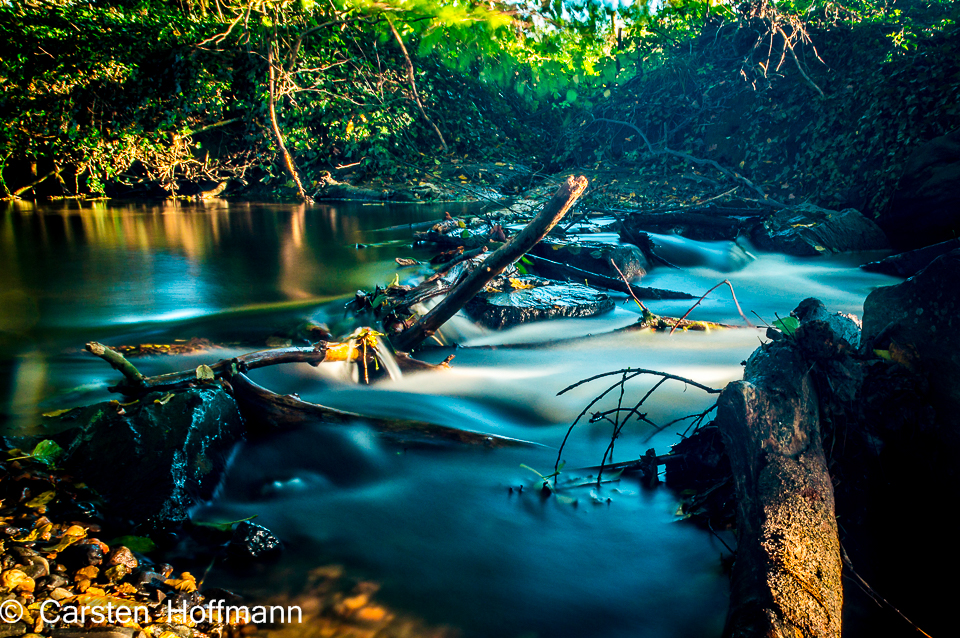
135, 384
786, 579
272, 410
515, 248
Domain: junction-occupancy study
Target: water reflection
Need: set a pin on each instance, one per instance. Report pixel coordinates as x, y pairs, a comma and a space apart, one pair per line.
95, 264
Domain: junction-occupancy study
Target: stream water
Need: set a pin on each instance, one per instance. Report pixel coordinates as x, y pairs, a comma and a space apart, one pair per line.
447, 532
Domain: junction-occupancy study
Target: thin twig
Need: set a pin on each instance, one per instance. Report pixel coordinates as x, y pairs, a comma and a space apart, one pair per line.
880, 600
629, 287
737, 303
628, 374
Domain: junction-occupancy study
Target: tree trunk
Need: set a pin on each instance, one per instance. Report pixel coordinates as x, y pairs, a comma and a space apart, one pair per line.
287, 158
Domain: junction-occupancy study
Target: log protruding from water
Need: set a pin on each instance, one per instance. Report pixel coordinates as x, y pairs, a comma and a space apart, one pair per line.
786, 579
515, 248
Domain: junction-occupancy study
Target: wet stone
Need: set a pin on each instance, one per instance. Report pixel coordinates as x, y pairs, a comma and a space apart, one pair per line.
807, 231
550, 300
252, 542
122, 556
52, 581
81, 555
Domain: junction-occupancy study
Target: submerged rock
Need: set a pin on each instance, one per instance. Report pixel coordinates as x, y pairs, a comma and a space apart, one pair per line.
544, 300
152, 459
808, 231
595, 257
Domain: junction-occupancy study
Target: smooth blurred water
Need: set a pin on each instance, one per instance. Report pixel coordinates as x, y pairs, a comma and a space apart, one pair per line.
446, 531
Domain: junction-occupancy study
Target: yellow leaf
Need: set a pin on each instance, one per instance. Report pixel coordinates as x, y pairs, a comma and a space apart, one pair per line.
341, 352
55, 413
164, 399
71, 536
89, 572
41, 500
520, 285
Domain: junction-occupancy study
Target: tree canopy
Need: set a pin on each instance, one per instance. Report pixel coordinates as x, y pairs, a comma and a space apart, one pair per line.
137, 92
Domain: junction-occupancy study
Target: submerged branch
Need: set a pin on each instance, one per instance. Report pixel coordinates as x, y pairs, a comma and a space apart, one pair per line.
627, 374
277, 409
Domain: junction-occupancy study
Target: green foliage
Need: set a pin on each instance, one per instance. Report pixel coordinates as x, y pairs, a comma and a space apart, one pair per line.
223, 527
46, 452
139, 544
134, 93
787, 325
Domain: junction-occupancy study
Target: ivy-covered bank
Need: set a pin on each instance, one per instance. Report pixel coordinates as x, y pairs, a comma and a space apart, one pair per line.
817, 101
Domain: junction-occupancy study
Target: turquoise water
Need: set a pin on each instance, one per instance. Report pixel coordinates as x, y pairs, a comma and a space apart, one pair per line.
446, 531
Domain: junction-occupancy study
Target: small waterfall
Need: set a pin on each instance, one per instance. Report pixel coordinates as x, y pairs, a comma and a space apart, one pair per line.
388, 361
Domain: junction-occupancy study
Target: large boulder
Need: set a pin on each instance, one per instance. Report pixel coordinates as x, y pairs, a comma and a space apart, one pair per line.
918, 323
152, 459
925, 209
807, 231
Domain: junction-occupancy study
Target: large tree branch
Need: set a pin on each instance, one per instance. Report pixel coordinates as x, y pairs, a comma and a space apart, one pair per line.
518, 245
732, 175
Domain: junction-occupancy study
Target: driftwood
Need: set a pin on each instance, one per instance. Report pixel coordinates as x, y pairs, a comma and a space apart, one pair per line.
786, 579
515, 248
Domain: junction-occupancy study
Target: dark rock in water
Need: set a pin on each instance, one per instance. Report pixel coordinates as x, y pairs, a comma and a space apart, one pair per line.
546, 300
911, 262
152, 460
918, 322
595, 257
808, 231
925, 209
844, 327
252, 542
723, 256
